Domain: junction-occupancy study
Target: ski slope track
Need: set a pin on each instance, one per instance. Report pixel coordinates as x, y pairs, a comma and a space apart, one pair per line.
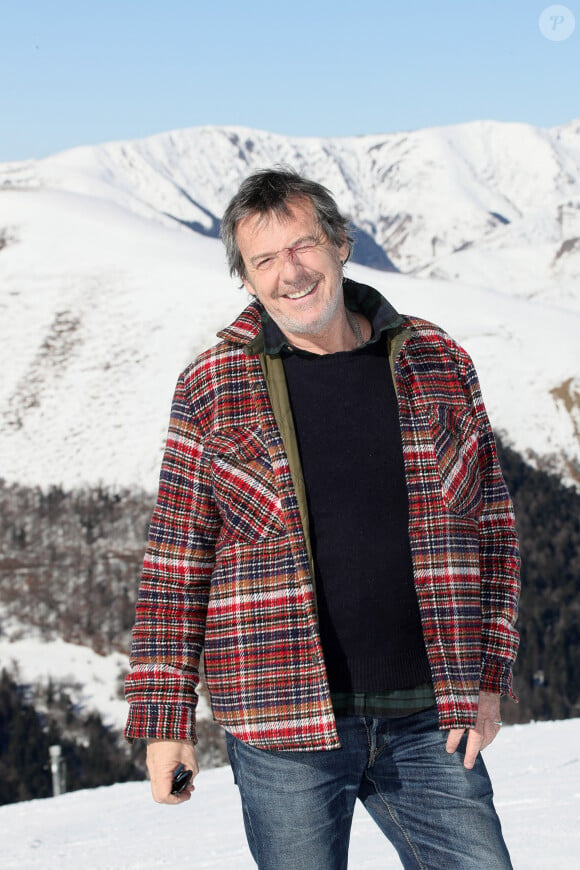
112, 278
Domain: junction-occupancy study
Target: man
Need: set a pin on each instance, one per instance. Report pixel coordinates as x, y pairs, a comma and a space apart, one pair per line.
332, 527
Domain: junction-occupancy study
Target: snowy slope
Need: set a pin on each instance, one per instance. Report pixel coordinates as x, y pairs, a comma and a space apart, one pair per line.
535, 770
112, 278
100, 311
93, 682
422, 196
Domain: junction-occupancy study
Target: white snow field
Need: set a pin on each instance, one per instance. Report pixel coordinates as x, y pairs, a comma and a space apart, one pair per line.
92, 681
535, 769
106, 293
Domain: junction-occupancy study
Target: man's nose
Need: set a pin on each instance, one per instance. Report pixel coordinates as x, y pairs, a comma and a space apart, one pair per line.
290, 264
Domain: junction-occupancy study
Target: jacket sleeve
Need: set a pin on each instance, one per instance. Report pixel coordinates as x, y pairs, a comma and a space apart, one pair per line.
499, 555
174, 590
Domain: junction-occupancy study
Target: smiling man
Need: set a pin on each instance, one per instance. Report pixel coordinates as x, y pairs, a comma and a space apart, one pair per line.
296, 273
333, 529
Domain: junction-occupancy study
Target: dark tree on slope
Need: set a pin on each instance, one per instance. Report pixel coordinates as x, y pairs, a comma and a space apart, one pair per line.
92, 753
24, 772
547, 673
70, 564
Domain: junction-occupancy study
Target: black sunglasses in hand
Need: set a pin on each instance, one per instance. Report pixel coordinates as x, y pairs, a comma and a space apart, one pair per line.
181, 779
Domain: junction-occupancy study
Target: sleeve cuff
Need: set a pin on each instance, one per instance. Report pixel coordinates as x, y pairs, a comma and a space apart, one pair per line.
161, 721
497, 676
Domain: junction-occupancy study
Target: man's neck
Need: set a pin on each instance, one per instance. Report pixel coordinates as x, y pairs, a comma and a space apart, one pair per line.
344, 335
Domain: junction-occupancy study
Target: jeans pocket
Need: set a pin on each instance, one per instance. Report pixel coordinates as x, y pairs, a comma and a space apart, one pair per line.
232, 754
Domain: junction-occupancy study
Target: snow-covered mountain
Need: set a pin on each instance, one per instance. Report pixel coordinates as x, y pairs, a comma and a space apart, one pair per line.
534, 769
112, 277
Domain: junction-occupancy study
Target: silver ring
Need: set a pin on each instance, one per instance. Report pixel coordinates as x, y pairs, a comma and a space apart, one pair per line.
498, 723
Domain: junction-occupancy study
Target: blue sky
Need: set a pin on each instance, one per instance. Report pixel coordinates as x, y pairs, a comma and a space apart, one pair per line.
79, 72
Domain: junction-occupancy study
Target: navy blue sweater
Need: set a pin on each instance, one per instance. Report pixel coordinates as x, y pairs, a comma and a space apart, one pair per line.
345, 412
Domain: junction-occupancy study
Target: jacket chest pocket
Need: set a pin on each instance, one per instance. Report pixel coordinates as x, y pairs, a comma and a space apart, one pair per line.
455, 436
244, 486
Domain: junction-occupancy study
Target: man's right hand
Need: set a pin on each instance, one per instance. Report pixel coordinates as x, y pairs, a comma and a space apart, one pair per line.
163, 756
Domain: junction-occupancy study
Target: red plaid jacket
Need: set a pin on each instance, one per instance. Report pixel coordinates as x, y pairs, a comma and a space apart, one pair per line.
227, 571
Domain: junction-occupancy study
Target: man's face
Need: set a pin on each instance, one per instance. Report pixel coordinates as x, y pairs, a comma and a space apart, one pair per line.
293, 270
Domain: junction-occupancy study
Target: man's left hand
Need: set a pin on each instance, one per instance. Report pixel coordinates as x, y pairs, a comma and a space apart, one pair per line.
486, 729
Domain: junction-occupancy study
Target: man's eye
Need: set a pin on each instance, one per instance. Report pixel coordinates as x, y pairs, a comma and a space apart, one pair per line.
263, 264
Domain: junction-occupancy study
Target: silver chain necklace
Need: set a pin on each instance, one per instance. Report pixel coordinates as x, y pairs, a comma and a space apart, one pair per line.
355, 326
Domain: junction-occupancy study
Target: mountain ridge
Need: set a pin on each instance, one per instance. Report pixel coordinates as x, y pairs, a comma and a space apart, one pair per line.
113, 278
498, 174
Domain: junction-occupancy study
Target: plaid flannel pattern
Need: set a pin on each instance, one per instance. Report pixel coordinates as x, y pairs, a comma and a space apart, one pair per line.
226, 568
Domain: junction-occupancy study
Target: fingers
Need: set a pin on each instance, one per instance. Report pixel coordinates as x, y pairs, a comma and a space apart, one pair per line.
491, 729
454, 739
161, 791
474, 745
486, 730
163, 756
488, 723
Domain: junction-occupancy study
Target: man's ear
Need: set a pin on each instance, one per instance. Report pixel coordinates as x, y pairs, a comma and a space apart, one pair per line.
344, 251
248, 286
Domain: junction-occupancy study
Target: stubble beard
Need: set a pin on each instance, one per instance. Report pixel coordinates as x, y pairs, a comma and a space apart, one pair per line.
303, 326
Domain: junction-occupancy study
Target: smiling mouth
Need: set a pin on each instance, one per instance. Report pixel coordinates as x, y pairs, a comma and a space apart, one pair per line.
300, 294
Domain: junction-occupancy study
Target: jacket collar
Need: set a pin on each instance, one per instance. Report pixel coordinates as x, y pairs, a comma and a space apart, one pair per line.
256, 330
246, 329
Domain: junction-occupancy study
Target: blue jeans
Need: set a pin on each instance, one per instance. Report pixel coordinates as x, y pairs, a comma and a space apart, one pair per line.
298, 806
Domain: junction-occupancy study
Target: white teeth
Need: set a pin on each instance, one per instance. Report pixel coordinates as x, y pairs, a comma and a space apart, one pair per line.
300, 293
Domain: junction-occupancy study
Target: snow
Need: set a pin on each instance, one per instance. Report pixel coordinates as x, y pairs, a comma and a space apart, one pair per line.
512, 342
111, 309
105, 297
93, 682
412, 191
101, 307
535, 770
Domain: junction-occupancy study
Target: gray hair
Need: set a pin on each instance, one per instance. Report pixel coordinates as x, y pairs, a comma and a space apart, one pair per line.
269, 191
